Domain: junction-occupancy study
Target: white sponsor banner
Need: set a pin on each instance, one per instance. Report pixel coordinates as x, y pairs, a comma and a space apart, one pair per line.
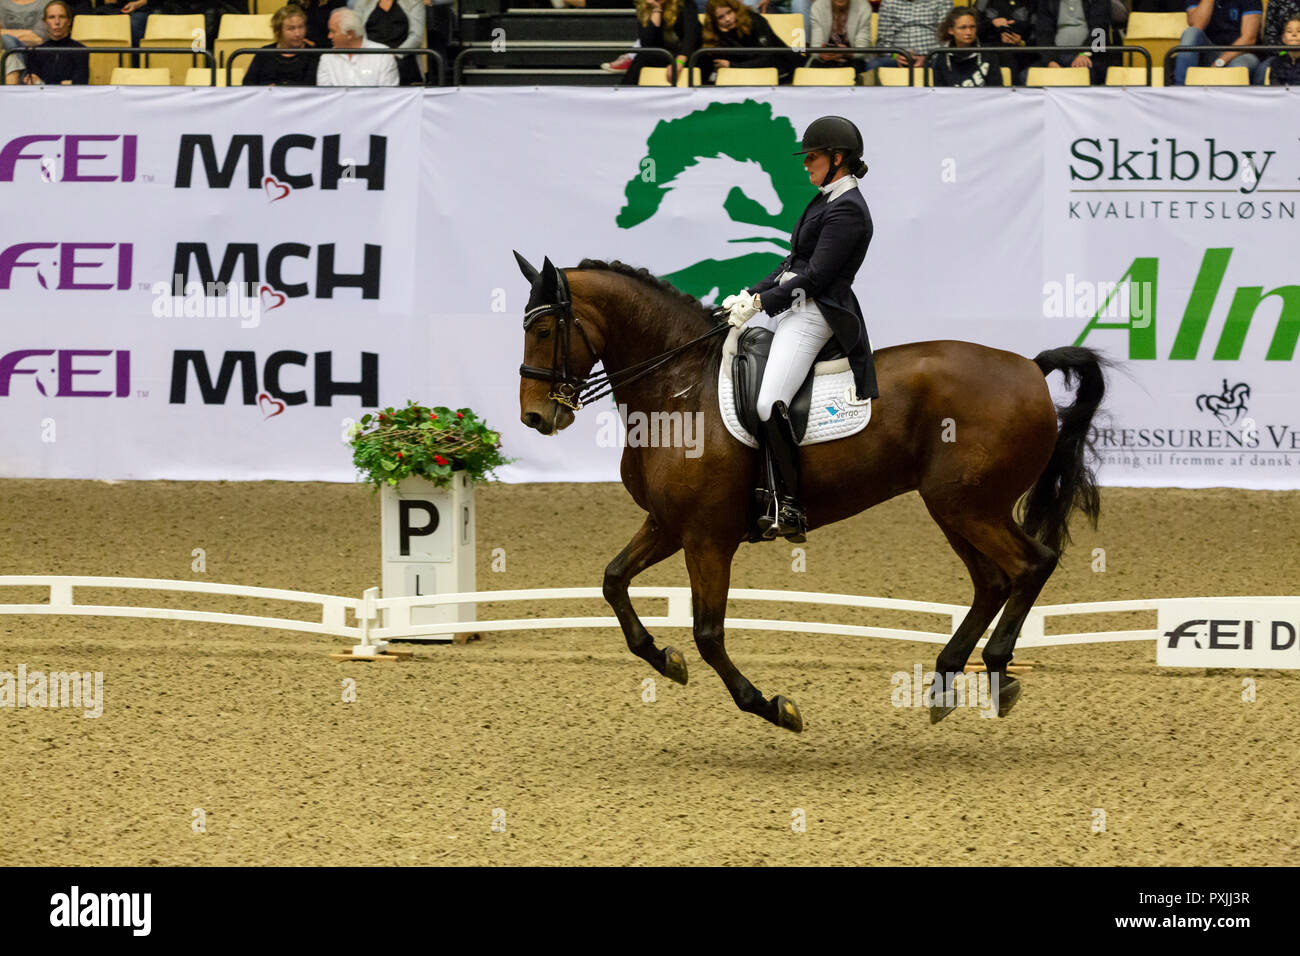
978, 236
1251, 632
1188, 208
291, 222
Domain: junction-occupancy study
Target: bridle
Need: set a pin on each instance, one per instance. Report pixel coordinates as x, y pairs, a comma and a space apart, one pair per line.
574, 391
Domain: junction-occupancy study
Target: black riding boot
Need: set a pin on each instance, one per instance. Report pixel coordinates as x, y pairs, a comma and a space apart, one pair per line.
782, 463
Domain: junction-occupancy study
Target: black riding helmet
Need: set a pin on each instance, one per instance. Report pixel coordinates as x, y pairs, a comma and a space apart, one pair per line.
832, 134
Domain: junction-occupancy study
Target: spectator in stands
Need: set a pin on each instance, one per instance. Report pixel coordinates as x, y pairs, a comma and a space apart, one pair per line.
729, 23
350, 69
44, 65
396, 24
138, 10
845, 23
801, 7
1284, 70
1081, 28
21, 25
14, 68
318, 19
289, 24
960, 28
1009, 23
1277, 13
1219, 23
671, 24
910, 25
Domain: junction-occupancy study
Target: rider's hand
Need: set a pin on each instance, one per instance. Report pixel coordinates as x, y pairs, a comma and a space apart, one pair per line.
742, 309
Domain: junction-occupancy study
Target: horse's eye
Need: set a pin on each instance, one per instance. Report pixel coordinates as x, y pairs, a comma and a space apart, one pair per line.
543, 333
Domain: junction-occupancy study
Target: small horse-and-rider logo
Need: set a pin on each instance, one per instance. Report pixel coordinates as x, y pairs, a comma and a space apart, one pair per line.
1228, 406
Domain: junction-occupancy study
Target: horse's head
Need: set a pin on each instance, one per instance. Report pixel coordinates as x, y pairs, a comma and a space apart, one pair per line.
556, 361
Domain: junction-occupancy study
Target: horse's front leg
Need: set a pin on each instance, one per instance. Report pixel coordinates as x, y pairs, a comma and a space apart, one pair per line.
709, 565
650, 545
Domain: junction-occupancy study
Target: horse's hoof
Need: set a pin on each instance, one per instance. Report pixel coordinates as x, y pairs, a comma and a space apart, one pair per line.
1008, 694
787, 714
938, 713
674, 665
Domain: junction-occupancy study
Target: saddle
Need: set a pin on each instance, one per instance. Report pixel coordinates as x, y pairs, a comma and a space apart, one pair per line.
747, 367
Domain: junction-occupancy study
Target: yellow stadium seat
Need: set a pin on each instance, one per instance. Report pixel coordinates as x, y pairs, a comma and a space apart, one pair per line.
892, 76
241, 30
736, 76
1006, 76
824, 76
1218, 76
789, 28
164, 30
1051, 76
102, 31
1157, 32
202, 76
128, 76
1133, 76
266, 7
875, 21
656, 76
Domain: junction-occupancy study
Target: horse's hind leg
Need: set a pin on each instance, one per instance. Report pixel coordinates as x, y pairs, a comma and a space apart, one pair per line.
650, 545
991, 590
1029, 564
709, 565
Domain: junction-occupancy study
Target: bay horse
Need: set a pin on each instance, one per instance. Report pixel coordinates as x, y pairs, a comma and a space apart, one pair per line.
972, 429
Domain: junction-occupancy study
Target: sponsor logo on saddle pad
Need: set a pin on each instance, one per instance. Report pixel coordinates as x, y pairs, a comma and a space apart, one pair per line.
1262, 632
838, 413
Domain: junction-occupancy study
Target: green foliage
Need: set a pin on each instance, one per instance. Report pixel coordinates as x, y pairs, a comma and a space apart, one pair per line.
421, 442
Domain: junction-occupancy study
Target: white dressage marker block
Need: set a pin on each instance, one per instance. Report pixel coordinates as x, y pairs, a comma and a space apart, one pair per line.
428, 549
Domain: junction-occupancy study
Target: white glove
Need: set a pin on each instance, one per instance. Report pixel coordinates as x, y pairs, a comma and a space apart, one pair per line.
742, 308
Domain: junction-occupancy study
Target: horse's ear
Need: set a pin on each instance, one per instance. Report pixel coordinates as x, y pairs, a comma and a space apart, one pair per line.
526, 267
550, 284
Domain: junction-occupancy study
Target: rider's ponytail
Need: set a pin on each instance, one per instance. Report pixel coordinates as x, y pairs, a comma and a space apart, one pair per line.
858, 168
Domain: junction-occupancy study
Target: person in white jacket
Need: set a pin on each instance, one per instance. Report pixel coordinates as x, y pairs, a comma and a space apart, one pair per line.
348, 69
844, 23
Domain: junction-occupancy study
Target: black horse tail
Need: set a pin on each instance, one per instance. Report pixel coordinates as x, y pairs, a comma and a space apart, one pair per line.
1069, 481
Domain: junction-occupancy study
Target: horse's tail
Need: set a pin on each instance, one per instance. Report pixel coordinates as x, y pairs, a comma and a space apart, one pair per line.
1069, 480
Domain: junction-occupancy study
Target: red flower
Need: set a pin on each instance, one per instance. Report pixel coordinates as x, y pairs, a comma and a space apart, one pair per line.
432, 415
439, 459
399, 454
460, 414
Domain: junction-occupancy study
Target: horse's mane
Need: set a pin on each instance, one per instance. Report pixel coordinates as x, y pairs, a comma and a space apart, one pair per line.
695, 316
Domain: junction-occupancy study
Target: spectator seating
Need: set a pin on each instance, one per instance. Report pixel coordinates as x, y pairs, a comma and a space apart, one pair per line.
1158, 32
95, 31
652, 76
739, 76
241, 30
893, 76
165, 30
149, 76
785, 25
1218, 76
1134, 76
1065, 76
824, 76
202, 76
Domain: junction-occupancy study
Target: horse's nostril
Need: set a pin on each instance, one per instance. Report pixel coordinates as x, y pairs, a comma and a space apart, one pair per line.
531, 419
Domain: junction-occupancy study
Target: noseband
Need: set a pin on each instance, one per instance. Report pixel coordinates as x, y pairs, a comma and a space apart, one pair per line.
573, 391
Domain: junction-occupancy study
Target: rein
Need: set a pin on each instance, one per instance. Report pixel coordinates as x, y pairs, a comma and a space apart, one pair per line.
575, 392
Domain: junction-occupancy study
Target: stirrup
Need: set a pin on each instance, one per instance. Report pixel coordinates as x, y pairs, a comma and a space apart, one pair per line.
793, 522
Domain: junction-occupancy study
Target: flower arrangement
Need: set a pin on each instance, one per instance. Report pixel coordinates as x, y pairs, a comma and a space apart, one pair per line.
421, 442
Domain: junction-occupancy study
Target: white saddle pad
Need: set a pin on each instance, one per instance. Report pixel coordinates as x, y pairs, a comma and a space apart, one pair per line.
835, 411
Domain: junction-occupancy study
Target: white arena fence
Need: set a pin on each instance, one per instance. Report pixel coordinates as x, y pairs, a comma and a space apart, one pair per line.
378, 620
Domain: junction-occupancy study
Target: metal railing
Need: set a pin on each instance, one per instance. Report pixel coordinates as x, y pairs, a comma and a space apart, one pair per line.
724, 52
469, 52
1259, 48
119, 51
1013, 51
395, 52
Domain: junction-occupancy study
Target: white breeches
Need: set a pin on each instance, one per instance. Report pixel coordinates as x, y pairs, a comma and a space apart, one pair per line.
797, 336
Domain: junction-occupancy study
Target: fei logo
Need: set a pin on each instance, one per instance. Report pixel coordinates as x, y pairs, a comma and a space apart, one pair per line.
70, 159
64, 266
111, 369
1250, 632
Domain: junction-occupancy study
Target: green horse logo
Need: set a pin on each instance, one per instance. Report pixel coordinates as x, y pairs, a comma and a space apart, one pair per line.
746, 148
